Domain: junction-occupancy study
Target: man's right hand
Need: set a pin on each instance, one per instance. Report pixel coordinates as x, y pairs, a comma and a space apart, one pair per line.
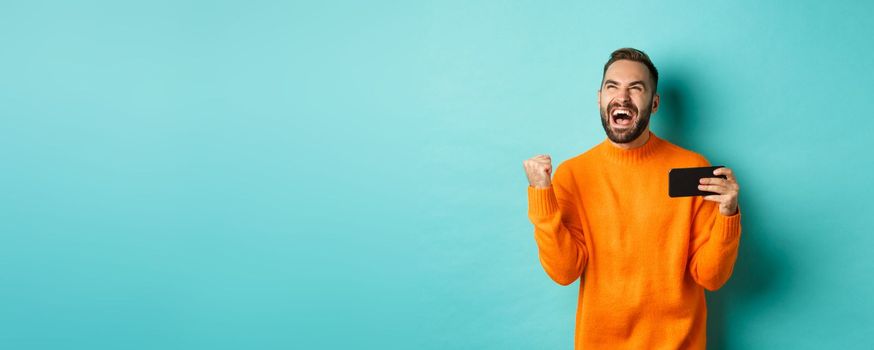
539, 170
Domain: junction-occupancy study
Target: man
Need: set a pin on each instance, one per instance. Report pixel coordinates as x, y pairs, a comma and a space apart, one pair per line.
645, 258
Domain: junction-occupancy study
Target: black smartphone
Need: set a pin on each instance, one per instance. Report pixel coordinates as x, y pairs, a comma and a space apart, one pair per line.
683, 182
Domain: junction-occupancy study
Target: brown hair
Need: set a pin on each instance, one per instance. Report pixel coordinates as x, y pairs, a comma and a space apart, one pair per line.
627, 53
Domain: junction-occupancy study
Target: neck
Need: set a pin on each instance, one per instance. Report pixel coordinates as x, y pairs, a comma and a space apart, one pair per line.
639, 141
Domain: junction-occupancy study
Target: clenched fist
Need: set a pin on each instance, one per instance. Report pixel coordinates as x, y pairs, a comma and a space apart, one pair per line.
539, 171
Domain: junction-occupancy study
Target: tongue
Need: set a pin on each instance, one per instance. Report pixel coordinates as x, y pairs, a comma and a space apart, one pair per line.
623, 121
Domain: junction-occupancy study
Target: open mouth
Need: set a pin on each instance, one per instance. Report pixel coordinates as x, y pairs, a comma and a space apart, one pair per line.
621, 117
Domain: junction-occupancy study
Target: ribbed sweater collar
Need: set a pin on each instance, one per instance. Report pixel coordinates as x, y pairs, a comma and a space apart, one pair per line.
634, 155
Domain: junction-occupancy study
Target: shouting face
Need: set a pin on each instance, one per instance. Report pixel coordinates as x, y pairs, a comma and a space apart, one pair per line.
626, 100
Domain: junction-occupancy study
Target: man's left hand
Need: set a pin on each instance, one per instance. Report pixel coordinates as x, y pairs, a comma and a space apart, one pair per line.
726, 189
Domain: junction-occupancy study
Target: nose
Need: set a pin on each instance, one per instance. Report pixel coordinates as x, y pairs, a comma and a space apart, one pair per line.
623, 95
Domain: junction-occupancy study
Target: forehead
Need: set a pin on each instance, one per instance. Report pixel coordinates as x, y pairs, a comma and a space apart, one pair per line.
624, 71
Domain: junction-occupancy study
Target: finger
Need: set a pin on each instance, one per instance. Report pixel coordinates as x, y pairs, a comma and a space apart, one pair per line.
533, 164
536, 163
724, 171
714, 188
715, 198
713, 181
718, 181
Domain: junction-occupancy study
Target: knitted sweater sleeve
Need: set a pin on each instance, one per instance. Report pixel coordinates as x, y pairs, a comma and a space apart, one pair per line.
557, 228
714, 244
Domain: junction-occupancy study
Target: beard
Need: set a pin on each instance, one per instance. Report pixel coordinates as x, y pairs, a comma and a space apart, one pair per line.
628, 134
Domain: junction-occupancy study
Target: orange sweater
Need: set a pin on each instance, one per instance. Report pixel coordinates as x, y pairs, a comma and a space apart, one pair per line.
644, 257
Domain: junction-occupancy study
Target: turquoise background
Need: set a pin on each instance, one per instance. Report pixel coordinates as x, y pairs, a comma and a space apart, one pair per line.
323, 175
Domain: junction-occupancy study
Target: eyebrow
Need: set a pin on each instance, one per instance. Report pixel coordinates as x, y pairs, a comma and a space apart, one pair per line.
640, 82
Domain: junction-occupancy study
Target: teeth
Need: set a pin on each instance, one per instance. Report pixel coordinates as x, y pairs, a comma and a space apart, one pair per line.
621, 111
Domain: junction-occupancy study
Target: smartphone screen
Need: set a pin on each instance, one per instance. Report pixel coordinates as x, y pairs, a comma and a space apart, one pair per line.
683, 182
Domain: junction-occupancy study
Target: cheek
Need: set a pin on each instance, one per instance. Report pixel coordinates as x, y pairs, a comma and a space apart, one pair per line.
642, 103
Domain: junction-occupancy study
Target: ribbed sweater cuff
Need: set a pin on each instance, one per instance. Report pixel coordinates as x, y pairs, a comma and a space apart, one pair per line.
730, 226
542, 201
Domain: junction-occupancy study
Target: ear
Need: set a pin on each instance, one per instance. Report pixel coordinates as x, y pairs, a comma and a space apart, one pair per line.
599, 98
655, 103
